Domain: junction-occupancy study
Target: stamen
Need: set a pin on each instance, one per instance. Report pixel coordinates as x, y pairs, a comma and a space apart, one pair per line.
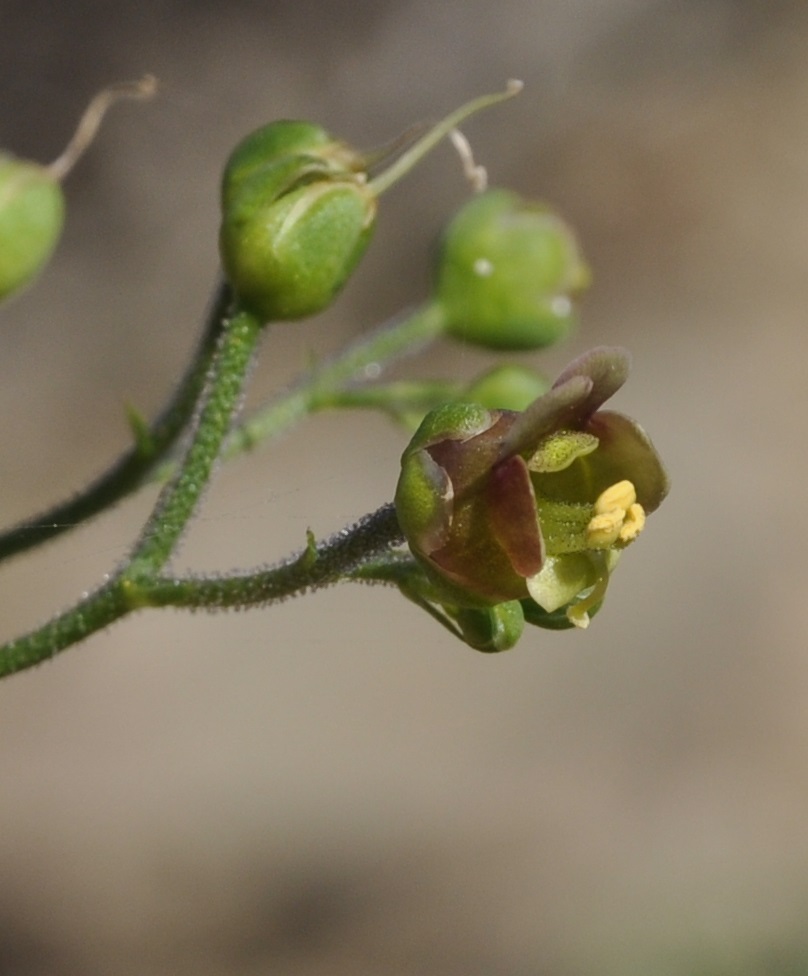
634, 523
619, 495
618, 517
604, 529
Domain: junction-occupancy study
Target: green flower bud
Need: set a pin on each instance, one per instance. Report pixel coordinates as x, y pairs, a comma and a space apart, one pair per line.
508, 273
492, 629
506, 387
298, 210
297, 215
500, 506
31, 218
31, 199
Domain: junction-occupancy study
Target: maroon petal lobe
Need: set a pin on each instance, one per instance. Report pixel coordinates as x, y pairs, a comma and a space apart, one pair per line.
513, 516
557, 409
608, 368
627, 452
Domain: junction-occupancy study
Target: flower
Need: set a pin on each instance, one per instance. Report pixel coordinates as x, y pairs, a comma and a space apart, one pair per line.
498, 505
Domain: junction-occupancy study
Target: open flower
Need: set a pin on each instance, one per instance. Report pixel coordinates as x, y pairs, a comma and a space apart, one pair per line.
501, 506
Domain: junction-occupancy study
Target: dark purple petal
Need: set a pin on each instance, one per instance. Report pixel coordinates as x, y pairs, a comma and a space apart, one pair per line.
626, 451
607, 367
513, 517
557, 409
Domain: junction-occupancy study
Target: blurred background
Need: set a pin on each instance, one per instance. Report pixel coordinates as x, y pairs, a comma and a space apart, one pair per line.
335, 786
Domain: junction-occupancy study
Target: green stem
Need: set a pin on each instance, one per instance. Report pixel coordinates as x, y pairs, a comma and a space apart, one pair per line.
359, 363
315, 567
390, 569
119, 595
93, 613
318, 390
179, 497
135, 587
397, 398
399, 569
133, 468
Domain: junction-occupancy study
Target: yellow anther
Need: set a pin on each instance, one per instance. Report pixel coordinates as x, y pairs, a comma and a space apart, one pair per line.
621, 495
604, 529
633, 524
618, 517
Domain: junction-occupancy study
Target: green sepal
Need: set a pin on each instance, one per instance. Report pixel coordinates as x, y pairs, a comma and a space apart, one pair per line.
424, 495
297, 215
458, 420
284, 139
491, 630
423, 501
288, 257
537, 616
488, 628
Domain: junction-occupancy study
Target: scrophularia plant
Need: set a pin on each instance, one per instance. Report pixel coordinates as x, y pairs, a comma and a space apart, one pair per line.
515, 499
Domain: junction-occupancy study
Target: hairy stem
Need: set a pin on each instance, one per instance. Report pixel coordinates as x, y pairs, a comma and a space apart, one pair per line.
321, 387
312, 569
93, 613
177, 501
133, 468
179, 497
315, 567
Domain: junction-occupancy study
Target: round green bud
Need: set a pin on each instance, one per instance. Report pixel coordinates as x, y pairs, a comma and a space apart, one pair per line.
297, 215
508, 273
31, 200
506, 387
31, 218
492, 629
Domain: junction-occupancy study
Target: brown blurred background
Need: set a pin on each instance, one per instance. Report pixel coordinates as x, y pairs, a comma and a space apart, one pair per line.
335, 786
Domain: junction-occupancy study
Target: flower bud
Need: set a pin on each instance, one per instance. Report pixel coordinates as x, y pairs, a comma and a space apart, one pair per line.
508, 274
492, 629
31, 218
297, 215
298, 210
506, 387
31, 198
